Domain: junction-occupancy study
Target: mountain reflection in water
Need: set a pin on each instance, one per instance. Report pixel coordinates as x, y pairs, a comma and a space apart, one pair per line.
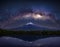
32, 37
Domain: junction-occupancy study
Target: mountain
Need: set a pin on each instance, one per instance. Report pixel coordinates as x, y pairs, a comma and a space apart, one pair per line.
30, 27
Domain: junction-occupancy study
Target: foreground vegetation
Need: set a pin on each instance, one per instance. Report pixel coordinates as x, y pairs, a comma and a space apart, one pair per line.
42, 33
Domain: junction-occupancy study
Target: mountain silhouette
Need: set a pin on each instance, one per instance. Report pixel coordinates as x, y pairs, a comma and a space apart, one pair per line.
30, 27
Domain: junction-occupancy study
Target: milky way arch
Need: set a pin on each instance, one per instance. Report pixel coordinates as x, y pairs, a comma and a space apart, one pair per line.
16, 15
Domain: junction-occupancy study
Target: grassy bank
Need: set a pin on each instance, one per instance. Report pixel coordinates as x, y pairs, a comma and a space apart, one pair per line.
22, 32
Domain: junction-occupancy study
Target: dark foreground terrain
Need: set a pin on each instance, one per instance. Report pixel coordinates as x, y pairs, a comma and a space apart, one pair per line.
22, 32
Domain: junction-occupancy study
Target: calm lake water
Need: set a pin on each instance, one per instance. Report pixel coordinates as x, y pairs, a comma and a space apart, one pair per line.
32, 37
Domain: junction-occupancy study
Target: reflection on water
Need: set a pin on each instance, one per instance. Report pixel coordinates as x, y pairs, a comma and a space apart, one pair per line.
32, 37
43, 42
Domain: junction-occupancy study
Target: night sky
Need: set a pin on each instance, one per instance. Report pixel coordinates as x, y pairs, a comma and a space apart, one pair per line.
42, 14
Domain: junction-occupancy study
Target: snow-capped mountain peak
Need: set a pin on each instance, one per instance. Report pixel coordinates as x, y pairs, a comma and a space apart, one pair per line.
29, 23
